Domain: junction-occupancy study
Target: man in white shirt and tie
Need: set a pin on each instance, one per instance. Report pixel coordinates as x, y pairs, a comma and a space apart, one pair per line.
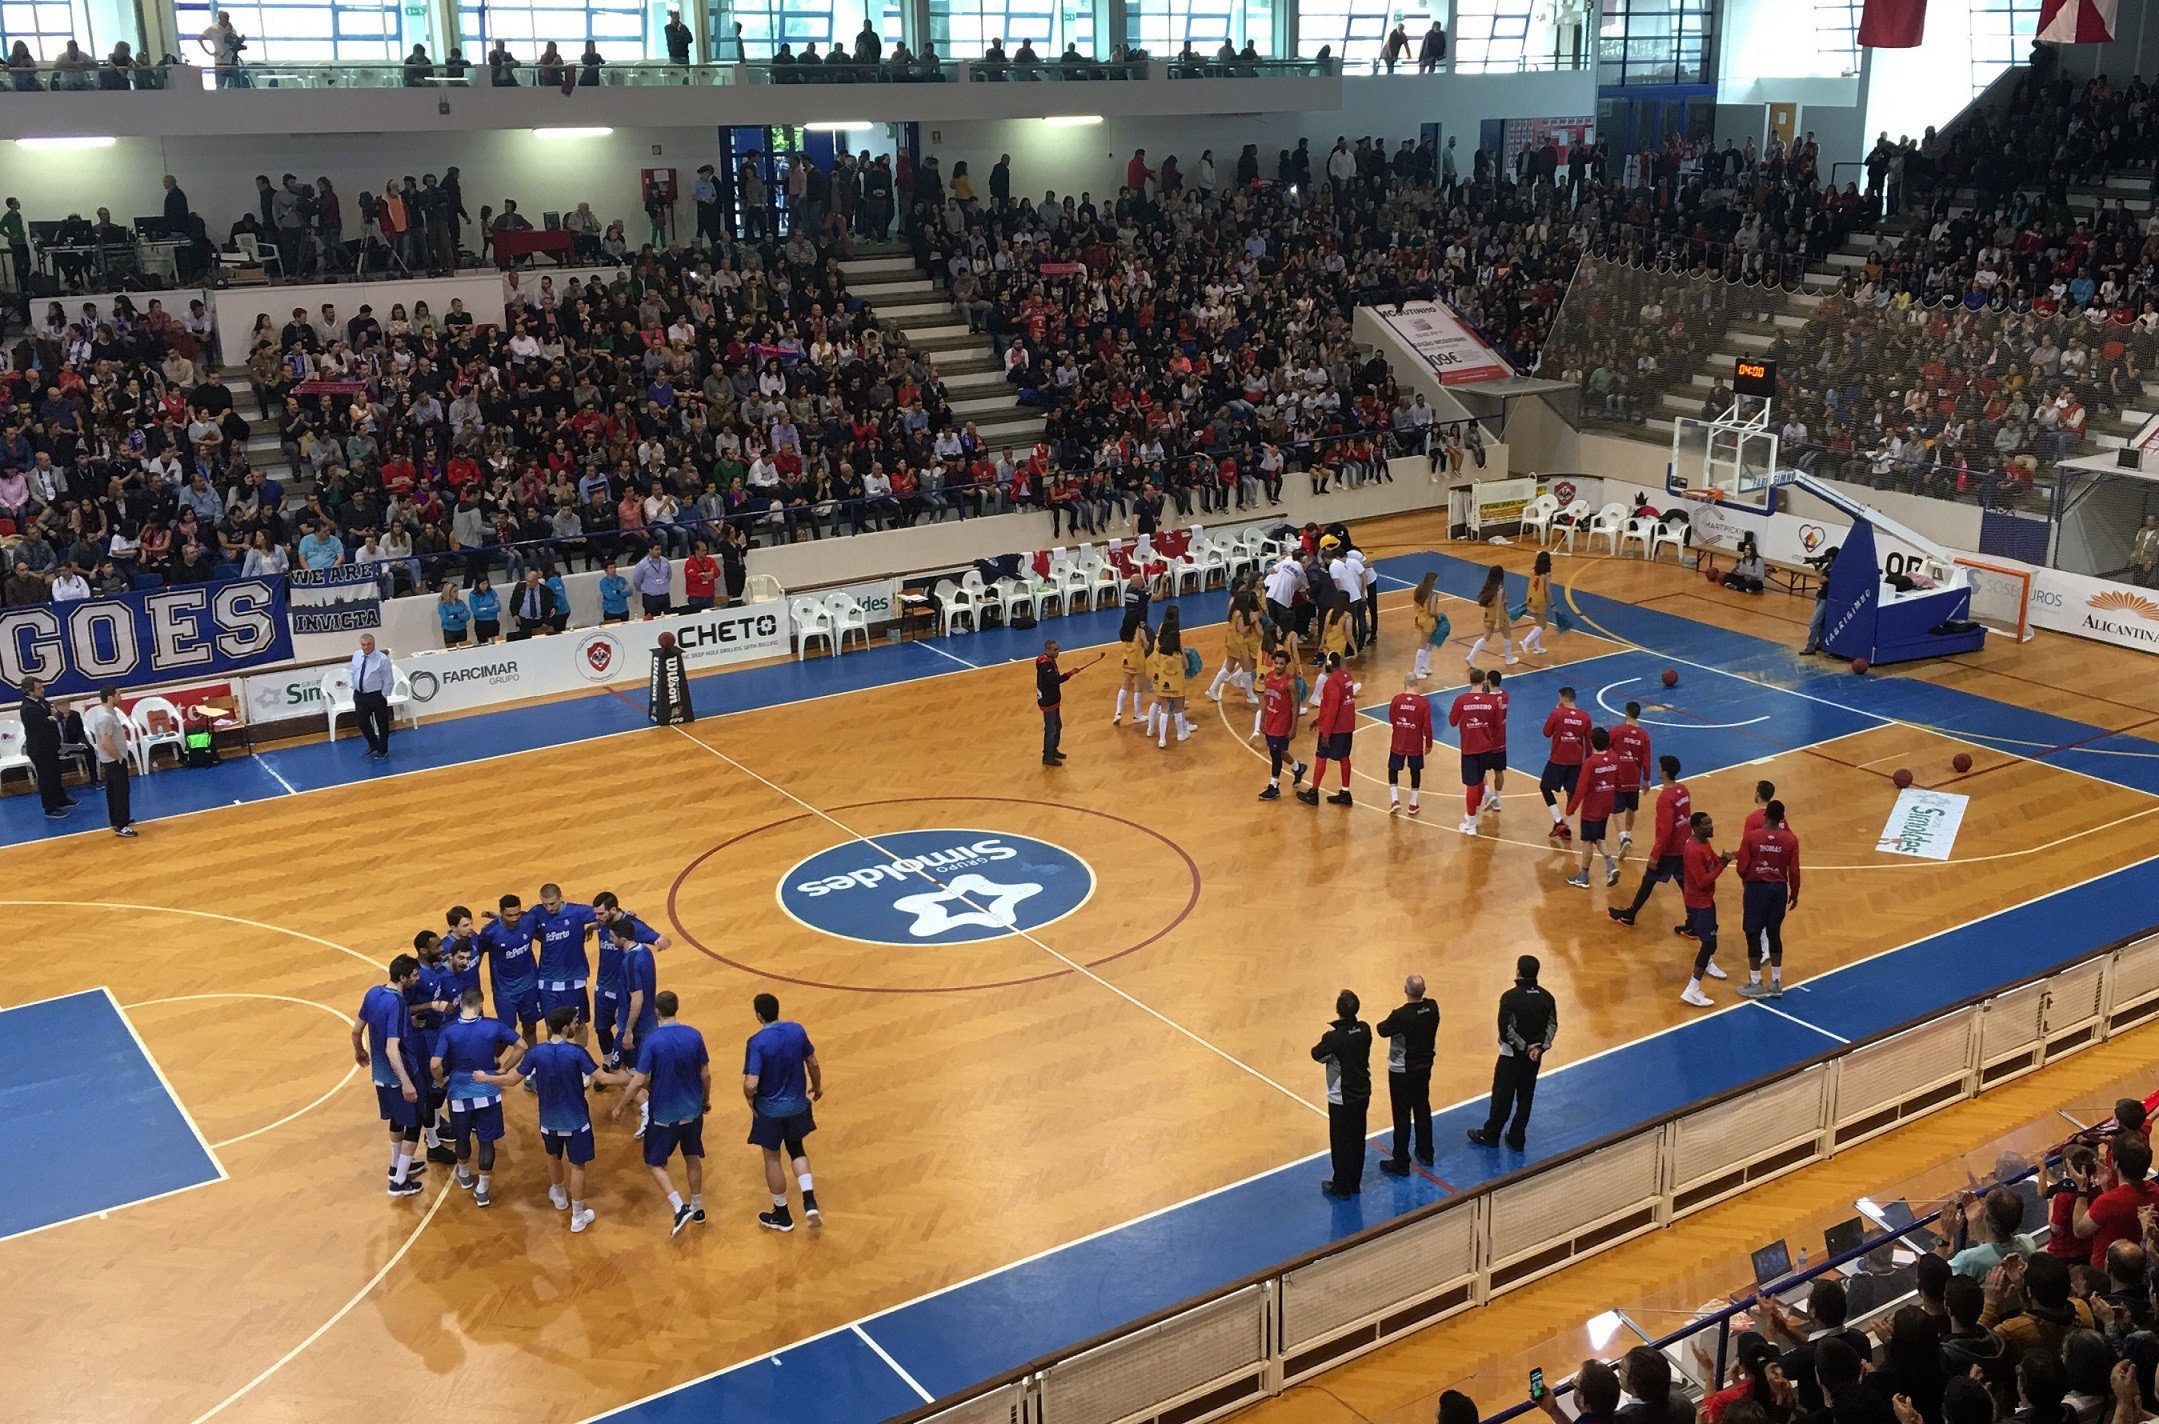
371, 679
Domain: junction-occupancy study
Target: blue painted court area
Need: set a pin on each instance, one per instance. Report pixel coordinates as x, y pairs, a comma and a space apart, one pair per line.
1710, 721
81, 1102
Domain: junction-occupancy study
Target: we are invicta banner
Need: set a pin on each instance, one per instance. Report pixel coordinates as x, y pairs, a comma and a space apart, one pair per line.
136, 639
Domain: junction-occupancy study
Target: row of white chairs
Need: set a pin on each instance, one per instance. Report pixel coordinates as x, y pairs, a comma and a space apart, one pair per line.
1554, 523
1085, 580
337, 697
151, 723
833, 618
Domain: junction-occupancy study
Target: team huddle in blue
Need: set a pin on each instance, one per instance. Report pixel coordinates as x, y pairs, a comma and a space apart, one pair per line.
440, 1062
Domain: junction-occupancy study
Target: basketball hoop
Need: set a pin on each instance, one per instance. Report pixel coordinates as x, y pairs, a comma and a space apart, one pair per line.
1704, 494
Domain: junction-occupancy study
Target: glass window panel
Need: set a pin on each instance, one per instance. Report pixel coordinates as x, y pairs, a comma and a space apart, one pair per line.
312, 31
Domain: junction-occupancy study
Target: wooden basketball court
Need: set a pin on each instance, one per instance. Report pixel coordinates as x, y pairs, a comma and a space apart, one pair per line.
986, 1101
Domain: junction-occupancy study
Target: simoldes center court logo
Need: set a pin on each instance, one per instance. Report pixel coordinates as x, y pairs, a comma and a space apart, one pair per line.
943, 886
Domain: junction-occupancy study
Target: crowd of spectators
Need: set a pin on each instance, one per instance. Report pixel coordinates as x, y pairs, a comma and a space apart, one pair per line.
1977, 340
2035, 1302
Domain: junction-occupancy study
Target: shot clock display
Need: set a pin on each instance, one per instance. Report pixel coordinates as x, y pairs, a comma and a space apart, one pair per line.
1754, 376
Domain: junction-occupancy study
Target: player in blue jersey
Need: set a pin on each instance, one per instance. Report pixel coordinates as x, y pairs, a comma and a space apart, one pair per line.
673, 1067
506, 943
469, 1047
559, 1069
382, 1041
619, 929
780, 1079
559, 929
431, 1007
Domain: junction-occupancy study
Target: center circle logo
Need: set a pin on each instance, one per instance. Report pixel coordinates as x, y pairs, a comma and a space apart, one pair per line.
945, 886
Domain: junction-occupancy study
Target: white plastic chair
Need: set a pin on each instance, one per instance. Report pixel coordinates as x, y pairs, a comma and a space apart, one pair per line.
1569, 522
847, 617
1665, 533
13, 756
1206, 555
1238, 554
336, 698
1015, 595
763, 588
1108, 584
1606, 526
401, 698
953, 604
812, 620
1638, 531
157, 724
1076, 588
1538, 516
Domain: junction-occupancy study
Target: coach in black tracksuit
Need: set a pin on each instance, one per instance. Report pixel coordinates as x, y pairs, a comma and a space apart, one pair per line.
1410, 1032
1528, 1022
1346, 1049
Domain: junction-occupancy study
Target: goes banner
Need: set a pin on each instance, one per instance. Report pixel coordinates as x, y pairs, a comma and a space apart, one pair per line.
135, 639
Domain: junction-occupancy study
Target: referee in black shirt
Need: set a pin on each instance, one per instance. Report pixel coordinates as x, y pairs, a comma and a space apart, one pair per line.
1528, 1022
1346, 1049
1410, 1032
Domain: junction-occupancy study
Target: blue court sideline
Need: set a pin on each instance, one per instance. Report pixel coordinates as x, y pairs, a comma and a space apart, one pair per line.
80, 1099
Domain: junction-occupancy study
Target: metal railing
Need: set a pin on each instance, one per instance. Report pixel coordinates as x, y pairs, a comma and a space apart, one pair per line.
1254, 1337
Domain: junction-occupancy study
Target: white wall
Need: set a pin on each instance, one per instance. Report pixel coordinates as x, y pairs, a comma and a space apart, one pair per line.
1909, 89
219, 174
237, 307
1092, 158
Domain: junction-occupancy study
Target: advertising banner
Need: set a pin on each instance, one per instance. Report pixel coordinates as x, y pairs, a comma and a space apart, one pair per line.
1923, 823
345, 599
2117, 613
140, 639
880, 598
1449, 347
459, 679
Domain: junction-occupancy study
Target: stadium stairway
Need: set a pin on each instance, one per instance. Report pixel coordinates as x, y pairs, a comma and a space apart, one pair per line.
913, 303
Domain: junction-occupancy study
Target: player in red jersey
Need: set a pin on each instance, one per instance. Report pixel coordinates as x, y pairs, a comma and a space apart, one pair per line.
1704, 863
1666, 854
1769, 881
1593, 794
1764, 793
1472, 716
1495, 760
1630, 743
1567, 726
1336, 721
1410, 715
1278, 719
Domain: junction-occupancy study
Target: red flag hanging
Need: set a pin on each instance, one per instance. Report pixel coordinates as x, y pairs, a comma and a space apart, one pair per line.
2077, 21
1893, 24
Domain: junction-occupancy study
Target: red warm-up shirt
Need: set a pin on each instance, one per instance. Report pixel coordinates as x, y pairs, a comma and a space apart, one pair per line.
1337, 705
1474, 715
1278, 718
700, 576
1699, 889
1674, 805
1599, 783
1630, 743
1568, 727
1411, 717
1770, 855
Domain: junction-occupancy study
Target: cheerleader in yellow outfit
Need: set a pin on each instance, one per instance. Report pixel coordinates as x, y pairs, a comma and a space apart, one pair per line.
1138, 645
1539, 606
1498, 622
1165, 673
1432, 625
1240, 656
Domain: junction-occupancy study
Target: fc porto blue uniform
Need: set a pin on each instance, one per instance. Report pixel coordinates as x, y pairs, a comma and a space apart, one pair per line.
384, 1013
609, 991
564, 969
427, 1024
640, 980
672, 1058
557, 1069
469, 1046
512, 972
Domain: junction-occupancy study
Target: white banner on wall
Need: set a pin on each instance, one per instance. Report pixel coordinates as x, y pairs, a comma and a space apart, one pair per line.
1453, 351
2117, 613
460, 679
879, 597
1923, 823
